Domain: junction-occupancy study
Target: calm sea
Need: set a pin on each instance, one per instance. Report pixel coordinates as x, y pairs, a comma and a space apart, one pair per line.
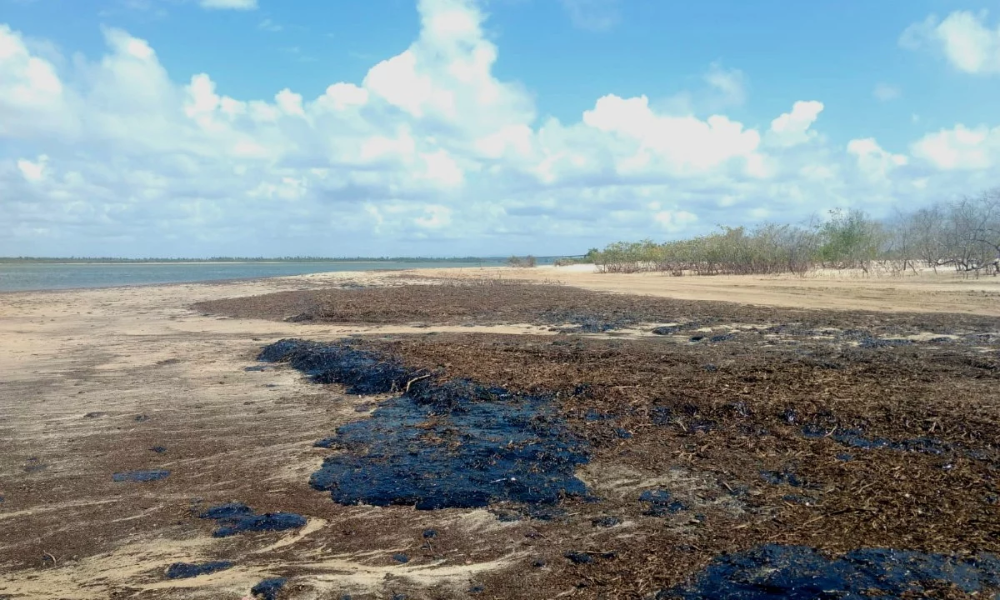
57, 276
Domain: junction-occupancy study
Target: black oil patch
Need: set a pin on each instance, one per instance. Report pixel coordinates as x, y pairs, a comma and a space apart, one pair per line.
450, 445
189, 570
141, 476
802, 573
238, 518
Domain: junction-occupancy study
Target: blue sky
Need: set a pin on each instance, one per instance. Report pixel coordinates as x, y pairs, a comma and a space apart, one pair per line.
454, 127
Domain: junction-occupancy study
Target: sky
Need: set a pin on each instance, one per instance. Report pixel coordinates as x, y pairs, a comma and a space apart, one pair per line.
196, 128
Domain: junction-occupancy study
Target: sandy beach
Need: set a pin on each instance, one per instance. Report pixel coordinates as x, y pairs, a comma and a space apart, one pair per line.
94, 380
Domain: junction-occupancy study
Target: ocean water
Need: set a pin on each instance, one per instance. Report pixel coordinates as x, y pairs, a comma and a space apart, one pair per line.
56, 276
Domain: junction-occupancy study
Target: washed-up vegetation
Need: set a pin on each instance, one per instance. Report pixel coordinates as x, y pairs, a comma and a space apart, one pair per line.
742, 452
738, 452
962, 235
723, 482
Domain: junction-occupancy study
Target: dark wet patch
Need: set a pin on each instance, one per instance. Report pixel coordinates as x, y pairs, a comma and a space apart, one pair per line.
869, 342
255, 369
189, 570
856, 438
799, 499
587, 323
661, 503
802, 573
606, 521
361, 371
238, 518
594, 416
666, 330
269, 588
661, 415
785, 476
141, 476
455, 444
34, 466
586, 558
528, 511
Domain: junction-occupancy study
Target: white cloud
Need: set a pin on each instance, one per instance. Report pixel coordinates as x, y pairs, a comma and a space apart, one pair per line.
730, 83
960, 148
886, 92
965, 38
435, 217
33, 171
872, 160
674, 221
430, 153
793, 128
229, 4
649, 142
30, 89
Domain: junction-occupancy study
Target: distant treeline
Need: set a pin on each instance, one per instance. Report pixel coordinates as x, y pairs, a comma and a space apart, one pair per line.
403, 259
963, 235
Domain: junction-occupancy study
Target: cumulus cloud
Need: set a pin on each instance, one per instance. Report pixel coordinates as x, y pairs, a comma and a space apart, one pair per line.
872, 160
794, 128
966, 39
960, 148
429, 153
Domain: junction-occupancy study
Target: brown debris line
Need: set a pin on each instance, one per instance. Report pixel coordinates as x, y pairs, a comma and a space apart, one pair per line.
495, 302
881, 498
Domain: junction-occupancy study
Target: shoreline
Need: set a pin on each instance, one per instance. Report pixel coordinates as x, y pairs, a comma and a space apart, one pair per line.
944, 293
225, 279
